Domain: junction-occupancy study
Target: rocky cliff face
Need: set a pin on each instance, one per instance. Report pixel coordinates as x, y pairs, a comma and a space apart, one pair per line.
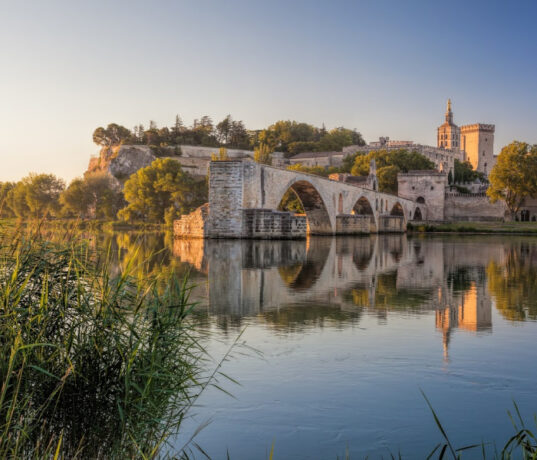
121, 161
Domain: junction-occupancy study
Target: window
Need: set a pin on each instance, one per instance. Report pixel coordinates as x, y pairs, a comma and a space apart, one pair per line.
432, 187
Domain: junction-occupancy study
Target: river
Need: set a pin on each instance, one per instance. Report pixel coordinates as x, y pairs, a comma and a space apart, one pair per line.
341, 335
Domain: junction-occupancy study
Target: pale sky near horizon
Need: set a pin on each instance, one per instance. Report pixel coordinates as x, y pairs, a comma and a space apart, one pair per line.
385, 68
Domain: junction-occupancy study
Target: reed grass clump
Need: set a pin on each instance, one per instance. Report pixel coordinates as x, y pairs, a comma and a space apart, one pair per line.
93, 364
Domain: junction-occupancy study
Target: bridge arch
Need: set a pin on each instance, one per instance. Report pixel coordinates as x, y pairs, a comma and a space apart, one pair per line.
398, 210
417, 214
364, 208
317, 216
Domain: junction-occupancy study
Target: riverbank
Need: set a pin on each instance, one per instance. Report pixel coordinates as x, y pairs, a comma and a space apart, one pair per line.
84, 224
523, 228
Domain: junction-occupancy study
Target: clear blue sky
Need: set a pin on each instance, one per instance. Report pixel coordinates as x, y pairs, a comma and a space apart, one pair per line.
384, 68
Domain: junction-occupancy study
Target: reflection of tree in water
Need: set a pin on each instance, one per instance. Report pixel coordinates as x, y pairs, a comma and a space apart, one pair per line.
290, 273
460, 279
298, 317
514, 285
389, 297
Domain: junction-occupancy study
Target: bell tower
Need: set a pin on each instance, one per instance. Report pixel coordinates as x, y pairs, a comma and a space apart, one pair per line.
448, 133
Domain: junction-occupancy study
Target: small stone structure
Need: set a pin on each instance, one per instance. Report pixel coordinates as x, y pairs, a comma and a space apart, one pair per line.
194, 224
427, 189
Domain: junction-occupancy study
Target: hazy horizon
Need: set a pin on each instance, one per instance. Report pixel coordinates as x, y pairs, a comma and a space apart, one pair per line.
384, 68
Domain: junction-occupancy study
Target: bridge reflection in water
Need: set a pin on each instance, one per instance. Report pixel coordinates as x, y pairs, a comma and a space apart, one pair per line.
296, 284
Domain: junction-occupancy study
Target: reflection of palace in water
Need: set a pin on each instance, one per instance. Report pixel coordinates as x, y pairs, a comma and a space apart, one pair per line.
345, 277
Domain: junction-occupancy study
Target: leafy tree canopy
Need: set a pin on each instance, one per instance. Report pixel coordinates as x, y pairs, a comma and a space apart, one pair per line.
464, 172
514, 176
290, 137
262, 154
36, 195
389, 164
94, 196
161, 189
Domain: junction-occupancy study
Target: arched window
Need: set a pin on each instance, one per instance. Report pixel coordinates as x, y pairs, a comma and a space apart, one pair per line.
340, 204
421, 200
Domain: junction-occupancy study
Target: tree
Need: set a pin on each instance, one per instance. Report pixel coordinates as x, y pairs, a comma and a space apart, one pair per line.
262, 154
338, 138
5, 189
94, 196
113, 134
222, 155
161, 188
387, 177
223, 130
464, 172
36, 195
43, 193
514, 176
401, 160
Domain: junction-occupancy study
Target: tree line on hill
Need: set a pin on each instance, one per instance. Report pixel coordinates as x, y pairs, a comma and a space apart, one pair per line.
162, 191
289, 137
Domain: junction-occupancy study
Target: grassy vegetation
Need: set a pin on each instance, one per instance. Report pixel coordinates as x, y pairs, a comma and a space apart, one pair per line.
93, 364
475, 227
68, 224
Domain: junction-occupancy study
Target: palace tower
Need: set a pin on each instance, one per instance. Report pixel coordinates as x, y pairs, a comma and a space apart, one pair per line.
448, 133
477, 141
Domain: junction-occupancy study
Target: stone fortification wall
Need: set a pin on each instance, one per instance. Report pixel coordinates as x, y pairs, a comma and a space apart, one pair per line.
352, 224
193, 225
472, 207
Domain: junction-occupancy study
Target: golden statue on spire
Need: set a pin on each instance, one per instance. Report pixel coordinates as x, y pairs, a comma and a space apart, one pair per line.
449, 105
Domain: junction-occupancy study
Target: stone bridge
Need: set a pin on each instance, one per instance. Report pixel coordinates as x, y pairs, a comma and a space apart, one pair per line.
244, 198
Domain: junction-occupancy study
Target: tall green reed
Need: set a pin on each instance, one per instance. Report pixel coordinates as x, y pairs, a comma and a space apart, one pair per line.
92, 363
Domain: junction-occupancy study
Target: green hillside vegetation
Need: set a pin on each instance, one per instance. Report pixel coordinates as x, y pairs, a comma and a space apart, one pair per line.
290, 137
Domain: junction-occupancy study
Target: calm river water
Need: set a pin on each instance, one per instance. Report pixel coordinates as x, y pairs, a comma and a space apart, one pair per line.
348, 330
